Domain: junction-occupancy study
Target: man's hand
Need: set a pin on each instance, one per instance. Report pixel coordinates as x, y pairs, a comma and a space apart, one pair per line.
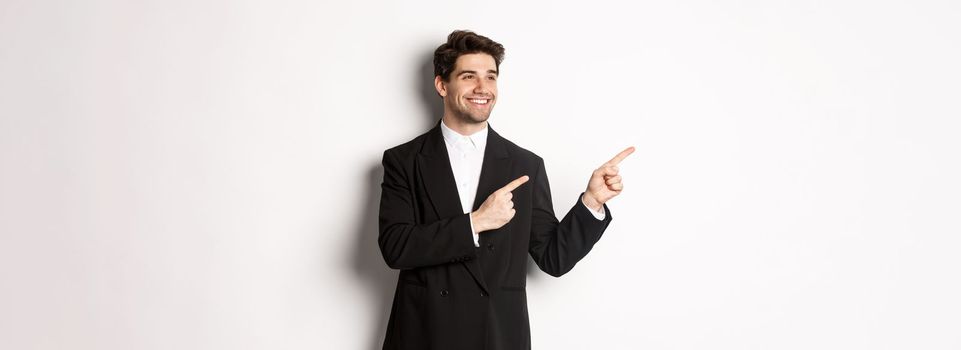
605, 183
498, 208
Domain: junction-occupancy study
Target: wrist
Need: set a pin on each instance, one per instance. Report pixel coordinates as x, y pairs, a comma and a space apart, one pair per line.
478, 223
591, 202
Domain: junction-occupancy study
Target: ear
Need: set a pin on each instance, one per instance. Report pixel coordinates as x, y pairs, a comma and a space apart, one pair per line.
441, 86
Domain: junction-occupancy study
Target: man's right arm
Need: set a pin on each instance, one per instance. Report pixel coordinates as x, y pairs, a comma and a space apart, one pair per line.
406, 244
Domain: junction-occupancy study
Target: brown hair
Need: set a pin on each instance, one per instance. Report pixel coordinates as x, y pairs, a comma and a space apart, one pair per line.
462, 42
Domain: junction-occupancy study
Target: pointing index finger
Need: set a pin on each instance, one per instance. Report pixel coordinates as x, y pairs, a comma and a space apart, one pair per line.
620, 156
513, 185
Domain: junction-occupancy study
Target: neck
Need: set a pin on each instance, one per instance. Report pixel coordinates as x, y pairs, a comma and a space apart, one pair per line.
463, 127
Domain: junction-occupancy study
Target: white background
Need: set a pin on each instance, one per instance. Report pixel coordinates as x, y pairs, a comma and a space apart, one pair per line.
205, 174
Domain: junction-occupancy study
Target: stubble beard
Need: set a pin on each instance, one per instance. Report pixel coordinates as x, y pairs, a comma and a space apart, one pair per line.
471, 117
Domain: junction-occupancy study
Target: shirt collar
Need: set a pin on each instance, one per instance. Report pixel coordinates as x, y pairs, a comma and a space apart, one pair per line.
477, 139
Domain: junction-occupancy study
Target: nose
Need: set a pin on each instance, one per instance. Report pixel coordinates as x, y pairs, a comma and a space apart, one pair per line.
482, 87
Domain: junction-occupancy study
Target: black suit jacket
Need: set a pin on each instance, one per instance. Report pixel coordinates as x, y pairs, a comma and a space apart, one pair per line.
450, 294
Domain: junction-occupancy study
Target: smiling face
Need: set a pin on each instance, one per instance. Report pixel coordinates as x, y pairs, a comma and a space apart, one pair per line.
471, 90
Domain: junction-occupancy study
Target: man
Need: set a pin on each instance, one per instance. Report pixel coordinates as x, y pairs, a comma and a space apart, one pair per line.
461, 209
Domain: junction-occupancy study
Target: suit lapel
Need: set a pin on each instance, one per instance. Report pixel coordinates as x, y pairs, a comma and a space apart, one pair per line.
437, 176
495, 171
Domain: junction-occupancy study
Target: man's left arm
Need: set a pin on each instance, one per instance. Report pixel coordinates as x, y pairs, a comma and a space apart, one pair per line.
557, 246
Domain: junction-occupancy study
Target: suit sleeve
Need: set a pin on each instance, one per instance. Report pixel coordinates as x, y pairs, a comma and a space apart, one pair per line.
557, 246
406, 244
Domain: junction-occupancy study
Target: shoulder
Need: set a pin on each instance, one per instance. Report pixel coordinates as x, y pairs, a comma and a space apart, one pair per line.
407, 149
519, 152
516, 150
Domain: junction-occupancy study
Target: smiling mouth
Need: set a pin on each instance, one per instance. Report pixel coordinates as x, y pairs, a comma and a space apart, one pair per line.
479, 101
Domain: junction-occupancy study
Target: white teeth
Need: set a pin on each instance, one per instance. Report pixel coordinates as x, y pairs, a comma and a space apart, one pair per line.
483, 102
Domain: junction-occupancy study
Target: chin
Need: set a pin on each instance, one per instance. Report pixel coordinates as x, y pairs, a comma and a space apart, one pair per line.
474, 118
480, 119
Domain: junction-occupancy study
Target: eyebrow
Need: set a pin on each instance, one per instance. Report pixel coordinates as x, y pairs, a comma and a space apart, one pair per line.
475, 72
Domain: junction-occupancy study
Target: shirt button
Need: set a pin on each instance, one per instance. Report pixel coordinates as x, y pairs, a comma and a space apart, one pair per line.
490, 246
444, 293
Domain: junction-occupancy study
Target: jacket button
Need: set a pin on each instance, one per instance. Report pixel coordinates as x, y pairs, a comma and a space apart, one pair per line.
444, 293
483, 294
490, 246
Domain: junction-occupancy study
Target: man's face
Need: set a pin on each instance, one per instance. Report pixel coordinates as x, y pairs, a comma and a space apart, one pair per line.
471, 92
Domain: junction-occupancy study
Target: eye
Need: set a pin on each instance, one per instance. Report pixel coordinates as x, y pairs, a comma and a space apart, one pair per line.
468, 76
492, 77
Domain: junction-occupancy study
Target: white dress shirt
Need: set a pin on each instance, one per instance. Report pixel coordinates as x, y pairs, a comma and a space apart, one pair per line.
466, 155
